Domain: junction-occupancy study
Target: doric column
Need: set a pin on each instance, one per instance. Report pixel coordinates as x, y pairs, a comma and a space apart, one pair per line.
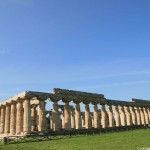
19, 119
13, 118
78, 116
83, 119
122, 116
104, 117
134, 119
96, 121
72, 118
33, 117
142, 116
51, 121
42, 116
138, 116
55, 116
146, 116
87, 117
7, 118
62, 119
128, 116
117, 116
67, 115
2, 121
27, 117
148, 111
92, 120
110, 116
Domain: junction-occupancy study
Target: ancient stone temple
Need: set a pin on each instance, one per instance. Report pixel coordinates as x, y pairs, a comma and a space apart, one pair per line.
25, 113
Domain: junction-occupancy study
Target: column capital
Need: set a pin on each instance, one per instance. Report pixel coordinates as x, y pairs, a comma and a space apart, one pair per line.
7, 104
66, 100
2, 106
19, 100
86, 103
34, 105
13, 102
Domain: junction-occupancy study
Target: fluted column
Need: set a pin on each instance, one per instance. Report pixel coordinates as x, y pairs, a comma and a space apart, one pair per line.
146, 116
96, 120
42, 116
83, 119
63, 119
2, 121
92, 120
33, 117
148, 111
78, 116
27, 117
142, 116
13, 118
19, 119
117, 116
87, 117
7, 119
122, 116
134, 119
110, 116
72, 118
55, 116
128, 116
138, 116
67, 115
51, 120
104, 121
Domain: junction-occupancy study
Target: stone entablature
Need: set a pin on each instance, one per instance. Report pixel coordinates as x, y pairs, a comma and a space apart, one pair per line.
25, 112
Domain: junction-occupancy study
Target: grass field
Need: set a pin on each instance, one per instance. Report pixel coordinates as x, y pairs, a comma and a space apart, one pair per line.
123, 140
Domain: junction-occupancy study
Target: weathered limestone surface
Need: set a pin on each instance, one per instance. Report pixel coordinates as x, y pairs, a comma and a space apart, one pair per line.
110, 116
7, 119
142, 116
146, 116
33, 117
42, 117
2, 119
55, 117
138, 116
27, 116
73, 118
19, 119
13, 119
128, 116
104, 118
117, 116
87, 117
25, 112
96, 121
133, 116
67, 116
78, 116
122, 116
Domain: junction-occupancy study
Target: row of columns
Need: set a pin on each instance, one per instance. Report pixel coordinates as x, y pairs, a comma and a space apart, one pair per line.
20, 117
113, 116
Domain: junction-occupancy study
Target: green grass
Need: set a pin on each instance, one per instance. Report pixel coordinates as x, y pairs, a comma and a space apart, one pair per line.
125, 140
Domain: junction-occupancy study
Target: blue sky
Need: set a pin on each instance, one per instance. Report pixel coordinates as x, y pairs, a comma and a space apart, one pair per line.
95, 46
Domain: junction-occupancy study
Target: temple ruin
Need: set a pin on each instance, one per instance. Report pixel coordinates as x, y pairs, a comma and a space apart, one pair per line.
25, 113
